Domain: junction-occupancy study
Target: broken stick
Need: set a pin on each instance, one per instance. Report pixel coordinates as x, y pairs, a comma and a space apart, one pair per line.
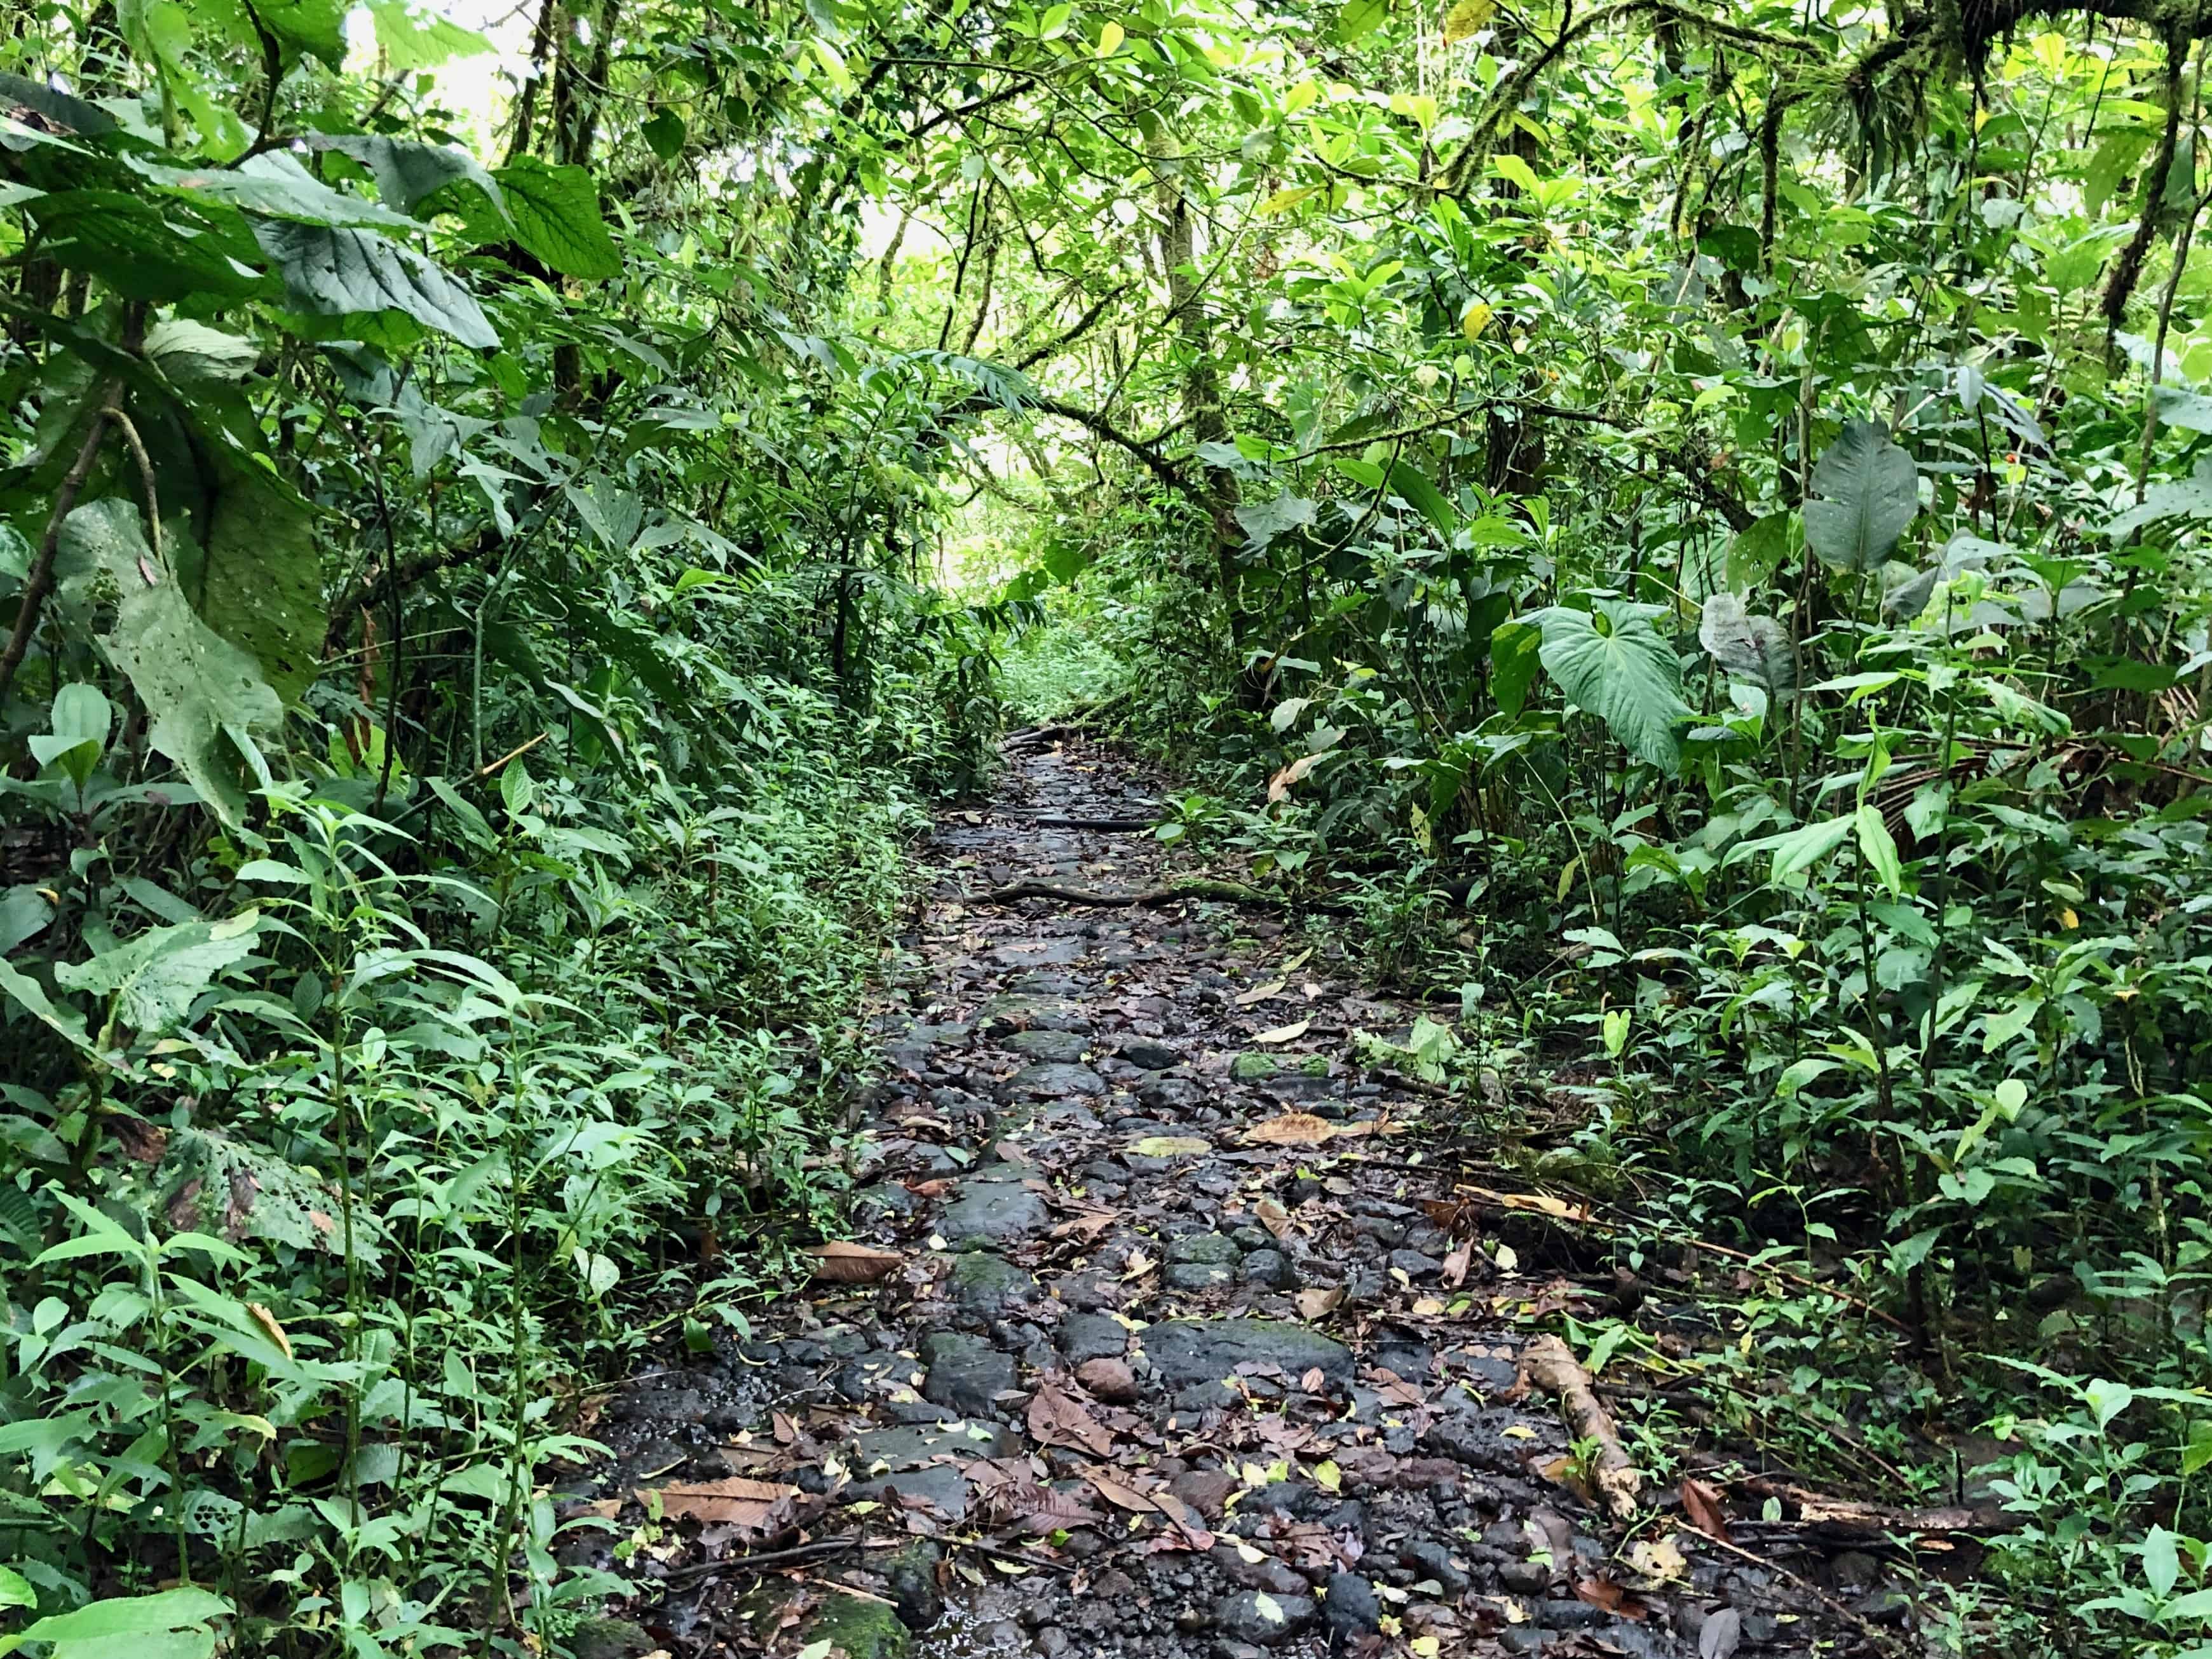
1549, 1365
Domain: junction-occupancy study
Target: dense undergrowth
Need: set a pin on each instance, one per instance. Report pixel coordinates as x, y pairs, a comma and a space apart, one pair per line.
1692, 517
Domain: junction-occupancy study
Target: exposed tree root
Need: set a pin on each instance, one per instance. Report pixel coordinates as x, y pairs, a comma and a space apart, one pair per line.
1549, 1365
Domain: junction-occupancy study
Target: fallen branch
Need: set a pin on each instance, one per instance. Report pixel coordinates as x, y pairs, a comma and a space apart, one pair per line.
1153, 898
1110, 826
1549, 1365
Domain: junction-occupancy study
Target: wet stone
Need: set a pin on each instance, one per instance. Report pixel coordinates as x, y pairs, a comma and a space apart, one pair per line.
1351, 1607
890, 1451
1263, 1620
1003, 1015
1269, 1269
1062, 1047
1054, 1078
1192, 1276
1151, 1056
983, 1285
1186, 1351
966, 1374
993, 1212
1213, 1249
1086, 1336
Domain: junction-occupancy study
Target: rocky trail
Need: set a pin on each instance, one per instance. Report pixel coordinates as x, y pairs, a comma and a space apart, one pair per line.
1170, 1328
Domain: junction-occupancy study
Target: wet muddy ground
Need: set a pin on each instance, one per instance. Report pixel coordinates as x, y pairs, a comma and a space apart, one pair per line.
1167, 1336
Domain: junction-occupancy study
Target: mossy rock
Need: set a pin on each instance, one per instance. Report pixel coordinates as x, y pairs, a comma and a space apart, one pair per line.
1314, 1065
610, 1638
858, 1629
1254, 1067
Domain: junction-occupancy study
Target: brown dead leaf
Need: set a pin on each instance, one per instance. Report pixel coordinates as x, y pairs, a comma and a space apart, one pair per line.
1314, 1303
1602, 1592
1274, 1217
142, 1142
1279, 785
1086, 1224
754, 1506
1121, 1496
936, 1187
846, 1263
785, 1431
605, 1509
267, 1320
1292, 1129
1012, 1153
1316, 1380
1260, 993
1702, 1504
1055, 1420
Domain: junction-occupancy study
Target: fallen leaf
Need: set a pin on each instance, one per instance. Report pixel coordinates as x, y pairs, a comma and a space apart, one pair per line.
1261, 993
1055, 1420
1313, 1303
1012, 1153
1292, 1129
267, 1320
1121, 1496
1328, 1476
1290, 1033
1138, 1265
786, 1429
1658, 1558
1274, 1217
1427, 1307
1544, 1203
749, 1505
847, 1263
1316, 1380
1279, 785
1457, 1263
1721, 1635
1171, 1146
1702, 1504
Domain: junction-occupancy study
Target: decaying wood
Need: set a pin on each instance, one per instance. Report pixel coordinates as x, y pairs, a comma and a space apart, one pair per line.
1548, 1365
1849, 1515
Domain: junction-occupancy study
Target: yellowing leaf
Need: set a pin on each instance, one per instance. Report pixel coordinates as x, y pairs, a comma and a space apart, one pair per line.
1466, 18
1283, 200
1292, 1129
1290, 1033
1658, 1559
1519, 1431
1274, 987
1475, 319
1171, 1146
1329, 1476
1426, 1647
1109, 39
267, 1320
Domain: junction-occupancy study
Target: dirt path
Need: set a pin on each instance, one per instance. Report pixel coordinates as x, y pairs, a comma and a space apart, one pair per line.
1140, 1380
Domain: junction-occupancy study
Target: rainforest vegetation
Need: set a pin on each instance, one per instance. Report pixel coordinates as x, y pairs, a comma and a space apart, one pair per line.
1686, 516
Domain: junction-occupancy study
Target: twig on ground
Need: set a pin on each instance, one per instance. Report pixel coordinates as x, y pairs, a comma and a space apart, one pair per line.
1219, 892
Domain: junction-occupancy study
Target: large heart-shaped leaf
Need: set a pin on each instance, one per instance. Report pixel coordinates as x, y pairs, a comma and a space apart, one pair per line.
1868, 491
258, 582
155, 977
409, 174
1616, 665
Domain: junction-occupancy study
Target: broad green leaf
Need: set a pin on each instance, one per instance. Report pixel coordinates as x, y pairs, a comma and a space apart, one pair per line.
2161, 1560
1514, 652
142, 1621
413, 35
1879, 849
333, 272
15, 1590
408, 173
28, 992
274, 185
258, 582
2189, 497
665, 133
2175, 406
555, 214
150, 249
1797, 850
1616, 665
1264, 521
1752, 647
190, 353
155, 976
205, 696
1410, 482
1867, 491
1360, 17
